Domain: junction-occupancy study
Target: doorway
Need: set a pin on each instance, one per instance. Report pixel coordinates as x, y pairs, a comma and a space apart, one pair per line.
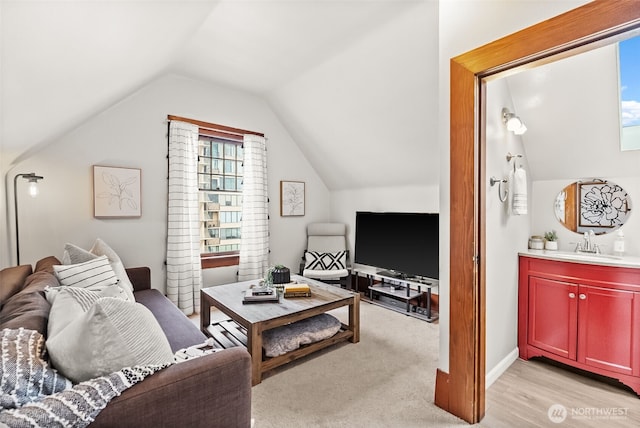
461, 390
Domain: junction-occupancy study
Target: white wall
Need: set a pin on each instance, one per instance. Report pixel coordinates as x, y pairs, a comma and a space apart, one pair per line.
133, 133
506, 236
345, 203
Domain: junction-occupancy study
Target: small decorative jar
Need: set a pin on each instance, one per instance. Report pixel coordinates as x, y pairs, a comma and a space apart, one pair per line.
536, 243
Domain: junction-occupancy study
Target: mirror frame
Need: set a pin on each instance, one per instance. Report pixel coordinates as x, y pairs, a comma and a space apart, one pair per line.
461, 390
571, 197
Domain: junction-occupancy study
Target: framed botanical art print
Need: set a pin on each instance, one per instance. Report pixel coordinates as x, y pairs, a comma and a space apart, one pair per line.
116, 192
291, 198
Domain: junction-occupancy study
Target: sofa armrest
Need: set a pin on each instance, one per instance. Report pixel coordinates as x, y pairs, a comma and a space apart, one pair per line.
210, 391
140, 277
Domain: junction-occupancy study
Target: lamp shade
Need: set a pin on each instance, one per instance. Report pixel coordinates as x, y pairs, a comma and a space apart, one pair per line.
521, 129
513, 123
33, 188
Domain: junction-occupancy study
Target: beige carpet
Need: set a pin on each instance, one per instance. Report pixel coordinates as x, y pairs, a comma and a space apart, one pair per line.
386, 380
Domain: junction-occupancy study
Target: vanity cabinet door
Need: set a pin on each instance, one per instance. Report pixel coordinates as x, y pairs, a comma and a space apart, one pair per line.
553, 311
608, 329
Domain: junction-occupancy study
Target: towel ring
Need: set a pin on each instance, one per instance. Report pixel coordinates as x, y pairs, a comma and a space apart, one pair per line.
493, 181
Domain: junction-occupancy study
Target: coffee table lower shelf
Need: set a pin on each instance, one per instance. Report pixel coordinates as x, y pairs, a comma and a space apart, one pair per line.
228, 334
242, 325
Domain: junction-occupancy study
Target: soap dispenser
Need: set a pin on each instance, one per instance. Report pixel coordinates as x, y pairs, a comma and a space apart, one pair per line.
618, 243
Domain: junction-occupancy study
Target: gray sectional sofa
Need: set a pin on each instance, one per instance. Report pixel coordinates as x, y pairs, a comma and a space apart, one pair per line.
209, 391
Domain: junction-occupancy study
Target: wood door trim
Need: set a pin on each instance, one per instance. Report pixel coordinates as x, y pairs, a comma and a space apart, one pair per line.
578, 30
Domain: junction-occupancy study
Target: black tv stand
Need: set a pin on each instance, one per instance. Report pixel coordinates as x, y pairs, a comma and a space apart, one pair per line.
397, 292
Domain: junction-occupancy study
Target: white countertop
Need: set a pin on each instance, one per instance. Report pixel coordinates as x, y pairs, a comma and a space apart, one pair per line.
588, 258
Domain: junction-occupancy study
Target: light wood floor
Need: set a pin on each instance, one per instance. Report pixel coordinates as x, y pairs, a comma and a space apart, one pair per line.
522, 396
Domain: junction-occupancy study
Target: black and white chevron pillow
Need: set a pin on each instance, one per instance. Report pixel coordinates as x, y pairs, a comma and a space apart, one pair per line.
325, 261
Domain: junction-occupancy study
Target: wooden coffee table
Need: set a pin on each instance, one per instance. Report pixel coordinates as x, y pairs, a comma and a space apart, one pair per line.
252, 319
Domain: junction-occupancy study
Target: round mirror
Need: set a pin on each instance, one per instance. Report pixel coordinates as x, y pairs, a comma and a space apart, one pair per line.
598, 205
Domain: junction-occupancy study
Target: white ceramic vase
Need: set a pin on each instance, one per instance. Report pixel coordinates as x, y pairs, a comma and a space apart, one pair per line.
550, 245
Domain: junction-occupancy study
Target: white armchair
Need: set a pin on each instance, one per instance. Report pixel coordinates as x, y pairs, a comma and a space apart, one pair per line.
326, 257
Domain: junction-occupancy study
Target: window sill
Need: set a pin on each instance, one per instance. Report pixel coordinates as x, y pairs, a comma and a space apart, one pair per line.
209, 261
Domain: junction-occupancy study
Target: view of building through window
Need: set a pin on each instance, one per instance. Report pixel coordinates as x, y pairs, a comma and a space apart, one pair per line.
220, 183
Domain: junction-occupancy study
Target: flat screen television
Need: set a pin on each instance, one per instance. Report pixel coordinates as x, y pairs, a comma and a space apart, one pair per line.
404, 245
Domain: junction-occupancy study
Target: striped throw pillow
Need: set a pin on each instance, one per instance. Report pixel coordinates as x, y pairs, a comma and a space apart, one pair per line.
94, 274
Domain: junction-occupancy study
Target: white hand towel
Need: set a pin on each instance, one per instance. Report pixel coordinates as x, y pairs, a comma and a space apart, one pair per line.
510, 192
519, 187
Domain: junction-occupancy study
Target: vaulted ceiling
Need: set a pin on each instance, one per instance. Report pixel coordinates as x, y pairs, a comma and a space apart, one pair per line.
355, 82
348, 79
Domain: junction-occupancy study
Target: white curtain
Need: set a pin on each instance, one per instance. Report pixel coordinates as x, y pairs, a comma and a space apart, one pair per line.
184, 274
254, 251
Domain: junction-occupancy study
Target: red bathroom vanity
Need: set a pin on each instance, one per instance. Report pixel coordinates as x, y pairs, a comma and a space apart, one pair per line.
582, 314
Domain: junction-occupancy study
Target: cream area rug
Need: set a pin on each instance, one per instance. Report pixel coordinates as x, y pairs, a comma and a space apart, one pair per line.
386, 380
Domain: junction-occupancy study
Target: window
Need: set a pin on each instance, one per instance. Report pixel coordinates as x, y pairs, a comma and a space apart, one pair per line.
629, 66
220, 172
220, 184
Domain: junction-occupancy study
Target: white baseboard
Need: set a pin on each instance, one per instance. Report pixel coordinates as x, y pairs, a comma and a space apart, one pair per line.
500, 368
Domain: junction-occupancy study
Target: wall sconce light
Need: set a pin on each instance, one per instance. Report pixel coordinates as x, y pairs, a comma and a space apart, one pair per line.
513, 122
33, 192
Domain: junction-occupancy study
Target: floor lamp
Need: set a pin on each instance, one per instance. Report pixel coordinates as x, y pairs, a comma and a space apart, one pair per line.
33, 191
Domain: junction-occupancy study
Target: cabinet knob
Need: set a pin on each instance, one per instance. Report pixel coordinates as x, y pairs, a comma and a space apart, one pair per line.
572, 295
583, 296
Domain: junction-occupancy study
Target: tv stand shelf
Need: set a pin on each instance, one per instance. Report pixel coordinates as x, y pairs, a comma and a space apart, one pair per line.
393, 292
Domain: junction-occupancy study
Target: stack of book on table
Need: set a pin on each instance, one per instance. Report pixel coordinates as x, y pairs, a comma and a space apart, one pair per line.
297, 290
260, 295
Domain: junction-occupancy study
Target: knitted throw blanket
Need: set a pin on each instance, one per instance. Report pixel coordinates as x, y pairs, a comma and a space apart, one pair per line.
35, 395
25, 374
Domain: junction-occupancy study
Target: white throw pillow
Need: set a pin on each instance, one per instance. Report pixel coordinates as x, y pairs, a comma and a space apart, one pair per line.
75, 254
111, 335
68, 303
93, 275
101, 248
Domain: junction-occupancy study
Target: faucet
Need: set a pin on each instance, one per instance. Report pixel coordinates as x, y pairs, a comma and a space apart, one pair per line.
587, 245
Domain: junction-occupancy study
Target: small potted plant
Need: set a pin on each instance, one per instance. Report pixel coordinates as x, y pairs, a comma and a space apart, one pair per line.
277, 276
551, 240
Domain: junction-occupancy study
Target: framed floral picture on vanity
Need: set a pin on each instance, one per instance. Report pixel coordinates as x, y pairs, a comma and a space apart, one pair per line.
116, 192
